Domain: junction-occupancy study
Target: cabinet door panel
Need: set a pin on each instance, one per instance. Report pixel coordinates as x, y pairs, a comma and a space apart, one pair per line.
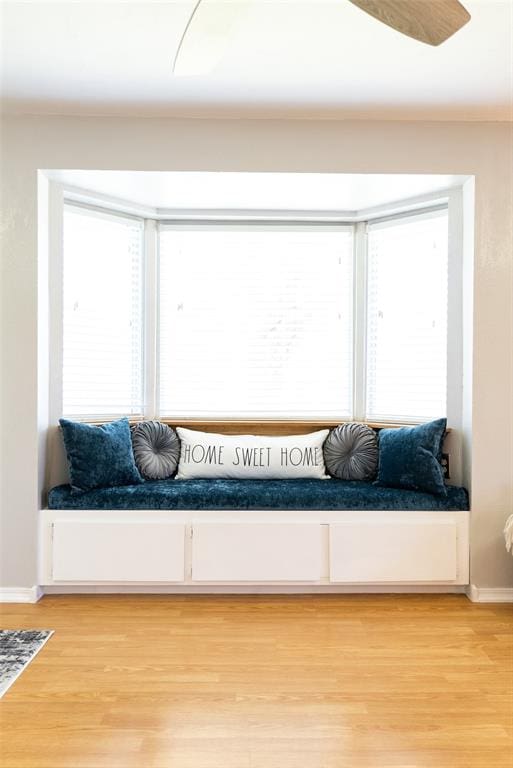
129, 551
256, 552
393, 551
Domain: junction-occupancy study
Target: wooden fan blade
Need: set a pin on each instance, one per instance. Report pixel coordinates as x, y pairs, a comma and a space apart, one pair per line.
430, 21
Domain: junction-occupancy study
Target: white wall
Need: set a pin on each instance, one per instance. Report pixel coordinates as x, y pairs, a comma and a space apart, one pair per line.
480, 149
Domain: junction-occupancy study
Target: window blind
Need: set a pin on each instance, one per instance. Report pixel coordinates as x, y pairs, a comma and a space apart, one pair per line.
407, 318
102, 314
255, 322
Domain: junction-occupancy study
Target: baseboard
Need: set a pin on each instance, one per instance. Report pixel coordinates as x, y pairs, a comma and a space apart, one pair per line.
251, 589
490, 594
20, 594
475, 594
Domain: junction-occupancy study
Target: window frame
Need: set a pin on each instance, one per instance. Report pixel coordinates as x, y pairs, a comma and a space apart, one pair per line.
154, 219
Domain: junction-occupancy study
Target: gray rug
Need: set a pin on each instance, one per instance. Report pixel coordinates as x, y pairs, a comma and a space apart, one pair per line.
17, 649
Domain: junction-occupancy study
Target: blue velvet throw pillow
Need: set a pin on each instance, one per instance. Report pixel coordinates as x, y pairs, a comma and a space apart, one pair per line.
409, 457
99, 456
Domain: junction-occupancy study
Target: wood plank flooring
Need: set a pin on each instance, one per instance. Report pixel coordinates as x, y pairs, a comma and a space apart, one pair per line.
324, 681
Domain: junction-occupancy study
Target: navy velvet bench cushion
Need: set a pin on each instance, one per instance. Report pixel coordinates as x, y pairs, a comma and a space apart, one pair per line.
258, 494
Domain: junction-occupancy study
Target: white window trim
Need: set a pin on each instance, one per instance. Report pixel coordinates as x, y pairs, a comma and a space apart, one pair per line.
150, 319
359, 321
155, 218
55, 299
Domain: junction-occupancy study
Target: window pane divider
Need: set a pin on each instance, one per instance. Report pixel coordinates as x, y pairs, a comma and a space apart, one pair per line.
359, 321
150, 319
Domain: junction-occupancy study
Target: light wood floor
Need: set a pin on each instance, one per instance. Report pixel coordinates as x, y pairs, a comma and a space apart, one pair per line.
262, 682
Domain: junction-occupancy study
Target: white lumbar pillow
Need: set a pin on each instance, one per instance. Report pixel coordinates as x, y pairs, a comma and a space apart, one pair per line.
251, 457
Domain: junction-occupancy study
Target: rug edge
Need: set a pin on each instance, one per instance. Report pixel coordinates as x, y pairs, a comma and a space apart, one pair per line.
4, 690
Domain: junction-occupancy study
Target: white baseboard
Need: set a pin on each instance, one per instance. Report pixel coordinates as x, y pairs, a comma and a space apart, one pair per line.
250, 589
20, 594
475, 594
490, 594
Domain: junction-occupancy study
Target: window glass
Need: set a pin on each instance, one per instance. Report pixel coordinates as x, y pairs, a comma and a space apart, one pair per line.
407, 318
102, 308
256, 322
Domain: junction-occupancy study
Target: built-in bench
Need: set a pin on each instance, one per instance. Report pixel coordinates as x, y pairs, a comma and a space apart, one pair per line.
254, 535
215, 495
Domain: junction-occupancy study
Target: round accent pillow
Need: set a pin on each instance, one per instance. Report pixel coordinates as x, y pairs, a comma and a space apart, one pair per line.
351, 452
156, 449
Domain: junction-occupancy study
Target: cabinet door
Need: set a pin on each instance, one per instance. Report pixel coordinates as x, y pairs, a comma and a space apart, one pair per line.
393, 551
90, 551
256, 552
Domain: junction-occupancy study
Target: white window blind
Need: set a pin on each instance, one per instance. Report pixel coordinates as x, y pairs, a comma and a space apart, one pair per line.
407, 318
255, 322
102, 308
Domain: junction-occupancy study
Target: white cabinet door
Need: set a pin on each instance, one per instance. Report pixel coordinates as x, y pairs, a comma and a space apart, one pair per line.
125, 551
393, 551
256, 552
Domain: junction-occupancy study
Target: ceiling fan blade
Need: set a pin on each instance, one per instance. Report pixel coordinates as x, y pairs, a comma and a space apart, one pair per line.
430, 21
207, 34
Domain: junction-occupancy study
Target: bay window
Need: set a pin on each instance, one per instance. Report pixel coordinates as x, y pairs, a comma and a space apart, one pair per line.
261, 320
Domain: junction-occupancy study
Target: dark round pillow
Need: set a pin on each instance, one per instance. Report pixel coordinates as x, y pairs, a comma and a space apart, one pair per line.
156, 449
351, 452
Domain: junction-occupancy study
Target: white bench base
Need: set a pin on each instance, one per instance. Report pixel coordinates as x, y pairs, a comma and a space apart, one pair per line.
303, 550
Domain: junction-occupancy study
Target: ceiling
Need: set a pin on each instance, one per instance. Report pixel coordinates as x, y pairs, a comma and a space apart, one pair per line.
304, 58
267, 191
